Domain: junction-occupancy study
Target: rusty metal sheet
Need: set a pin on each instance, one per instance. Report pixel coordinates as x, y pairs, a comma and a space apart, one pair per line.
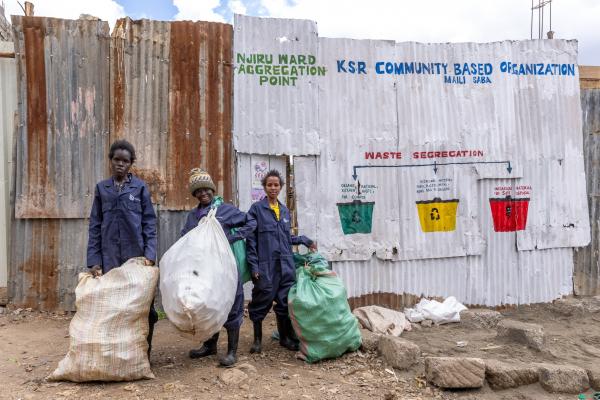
171, 91
200, 90
586, 278
62, 68
139, 81
46, 258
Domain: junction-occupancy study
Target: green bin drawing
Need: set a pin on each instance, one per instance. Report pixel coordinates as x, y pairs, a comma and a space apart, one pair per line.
356, 216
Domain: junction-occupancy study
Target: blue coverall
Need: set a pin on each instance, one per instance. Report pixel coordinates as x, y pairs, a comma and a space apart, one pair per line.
122, 226
269, 252
229, 217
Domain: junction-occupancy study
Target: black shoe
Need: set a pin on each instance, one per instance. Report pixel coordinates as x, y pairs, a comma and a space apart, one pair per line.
284, 326
257, 345
233, 336
208, 348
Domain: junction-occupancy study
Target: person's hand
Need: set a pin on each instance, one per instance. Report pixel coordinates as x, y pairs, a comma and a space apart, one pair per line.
148, 262
96, 271
313, 247
255, 277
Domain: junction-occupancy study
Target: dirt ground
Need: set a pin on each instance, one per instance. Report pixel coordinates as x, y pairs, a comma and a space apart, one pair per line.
31, 345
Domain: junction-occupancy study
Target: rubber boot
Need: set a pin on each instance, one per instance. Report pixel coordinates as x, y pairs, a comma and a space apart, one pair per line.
257, 345
152, 320
208, 348
283, 326
149, 338
292, 335
233, 336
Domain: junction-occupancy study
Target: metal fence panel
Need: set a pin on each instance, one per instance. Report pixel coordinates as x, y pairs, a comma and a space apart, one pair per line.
62, 68
587, 260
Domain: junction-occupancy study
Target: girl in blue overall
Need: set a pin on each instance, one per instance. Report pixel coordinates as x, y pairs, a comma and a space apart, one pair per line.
122, 221
203, 188
271, 262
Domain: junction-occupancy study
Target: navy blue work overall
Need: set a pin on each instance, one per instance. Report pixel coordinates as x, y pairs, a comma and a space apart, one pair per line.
269, 252
122, 226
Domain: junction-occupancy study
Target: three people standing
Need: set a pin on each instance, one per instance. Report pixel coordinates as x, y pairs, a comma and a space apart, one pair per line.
123, 225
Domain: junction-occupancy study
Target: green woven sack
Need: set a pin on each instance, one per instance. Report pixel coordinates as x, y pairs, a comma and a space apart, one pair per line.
313, 259
320, 314
239, 249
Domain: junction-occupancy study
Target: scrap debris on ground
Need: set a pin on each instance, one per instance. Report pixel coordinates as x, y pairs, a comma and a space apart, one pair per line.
546, 351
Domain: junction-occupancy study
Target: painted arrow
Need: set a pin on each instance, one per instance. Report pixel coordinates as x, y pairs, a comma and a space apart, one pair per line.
434, 165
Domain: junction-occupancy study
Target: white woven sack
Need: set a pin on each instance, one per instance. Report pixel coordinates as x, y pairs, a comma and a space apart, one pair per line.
108, 332
199, 279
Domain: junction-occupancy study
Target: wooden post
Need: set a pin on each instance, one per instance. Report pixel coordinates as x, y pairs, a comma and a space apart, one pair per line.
28, 9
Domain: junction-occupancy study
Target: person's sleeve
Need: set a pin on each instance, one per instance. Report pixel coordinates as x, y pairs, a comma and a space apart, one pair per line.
148, 225
188, 224
252, 242
94, 249
296, 240
244, 225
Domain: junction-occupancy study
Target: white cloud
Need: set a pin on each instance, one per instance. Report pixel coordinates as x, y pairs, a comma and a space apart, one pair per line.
445, 21
107, 10
237, 7
193, 10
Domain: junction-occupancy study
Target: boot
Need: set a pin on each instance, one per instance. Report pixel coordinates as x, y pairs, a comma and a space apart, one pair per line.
208, 348
284, 326
233, 336
149, 338
257, 345
292, 333
152, 320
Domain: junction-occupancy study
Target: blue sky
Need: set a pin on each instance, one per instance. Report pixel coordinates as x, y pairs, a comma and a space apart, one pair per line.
400, 20
152, 9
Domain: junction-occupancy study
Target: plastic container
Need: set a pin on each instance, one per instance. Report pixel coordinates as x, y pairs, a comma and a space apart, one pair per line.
437, 215
356, 216
509, 214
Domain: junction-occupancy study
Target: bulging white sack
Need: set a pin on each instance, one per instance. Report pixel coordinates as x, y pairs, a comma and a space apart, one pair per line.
108, 332
198, 279
440, 313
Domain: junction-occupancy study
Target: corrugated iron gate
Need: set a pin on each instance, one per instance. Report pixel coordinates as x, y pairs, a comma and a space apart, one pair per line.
164, 86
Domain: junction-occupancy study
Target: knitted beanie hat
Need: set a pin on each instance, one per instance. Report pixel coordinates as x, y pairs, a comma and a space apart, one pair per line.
199, 179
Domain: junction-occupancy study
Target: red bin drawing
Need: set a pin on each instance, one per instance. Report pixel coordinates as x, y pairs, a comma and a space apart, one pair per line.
509, 214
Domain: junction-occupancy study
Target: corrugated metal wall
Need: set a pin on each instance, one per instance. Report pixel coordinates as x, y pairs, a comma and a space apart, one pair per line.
8, 109
164, 86
171, 96
587, 260
64, 113
526, 127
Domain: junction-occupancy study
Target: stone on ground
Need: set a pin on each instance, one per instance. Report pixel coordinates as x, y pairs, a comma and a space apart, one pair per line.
568, 307
480, 318
594, 377
397, 352
247, 368
455, 372
370, 340
531, 335
563, 378
233, 376
502, 375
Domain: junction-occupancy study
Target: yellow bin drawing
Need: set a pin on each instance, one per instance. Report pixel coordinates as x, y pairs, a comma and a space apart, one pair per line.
437, 215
